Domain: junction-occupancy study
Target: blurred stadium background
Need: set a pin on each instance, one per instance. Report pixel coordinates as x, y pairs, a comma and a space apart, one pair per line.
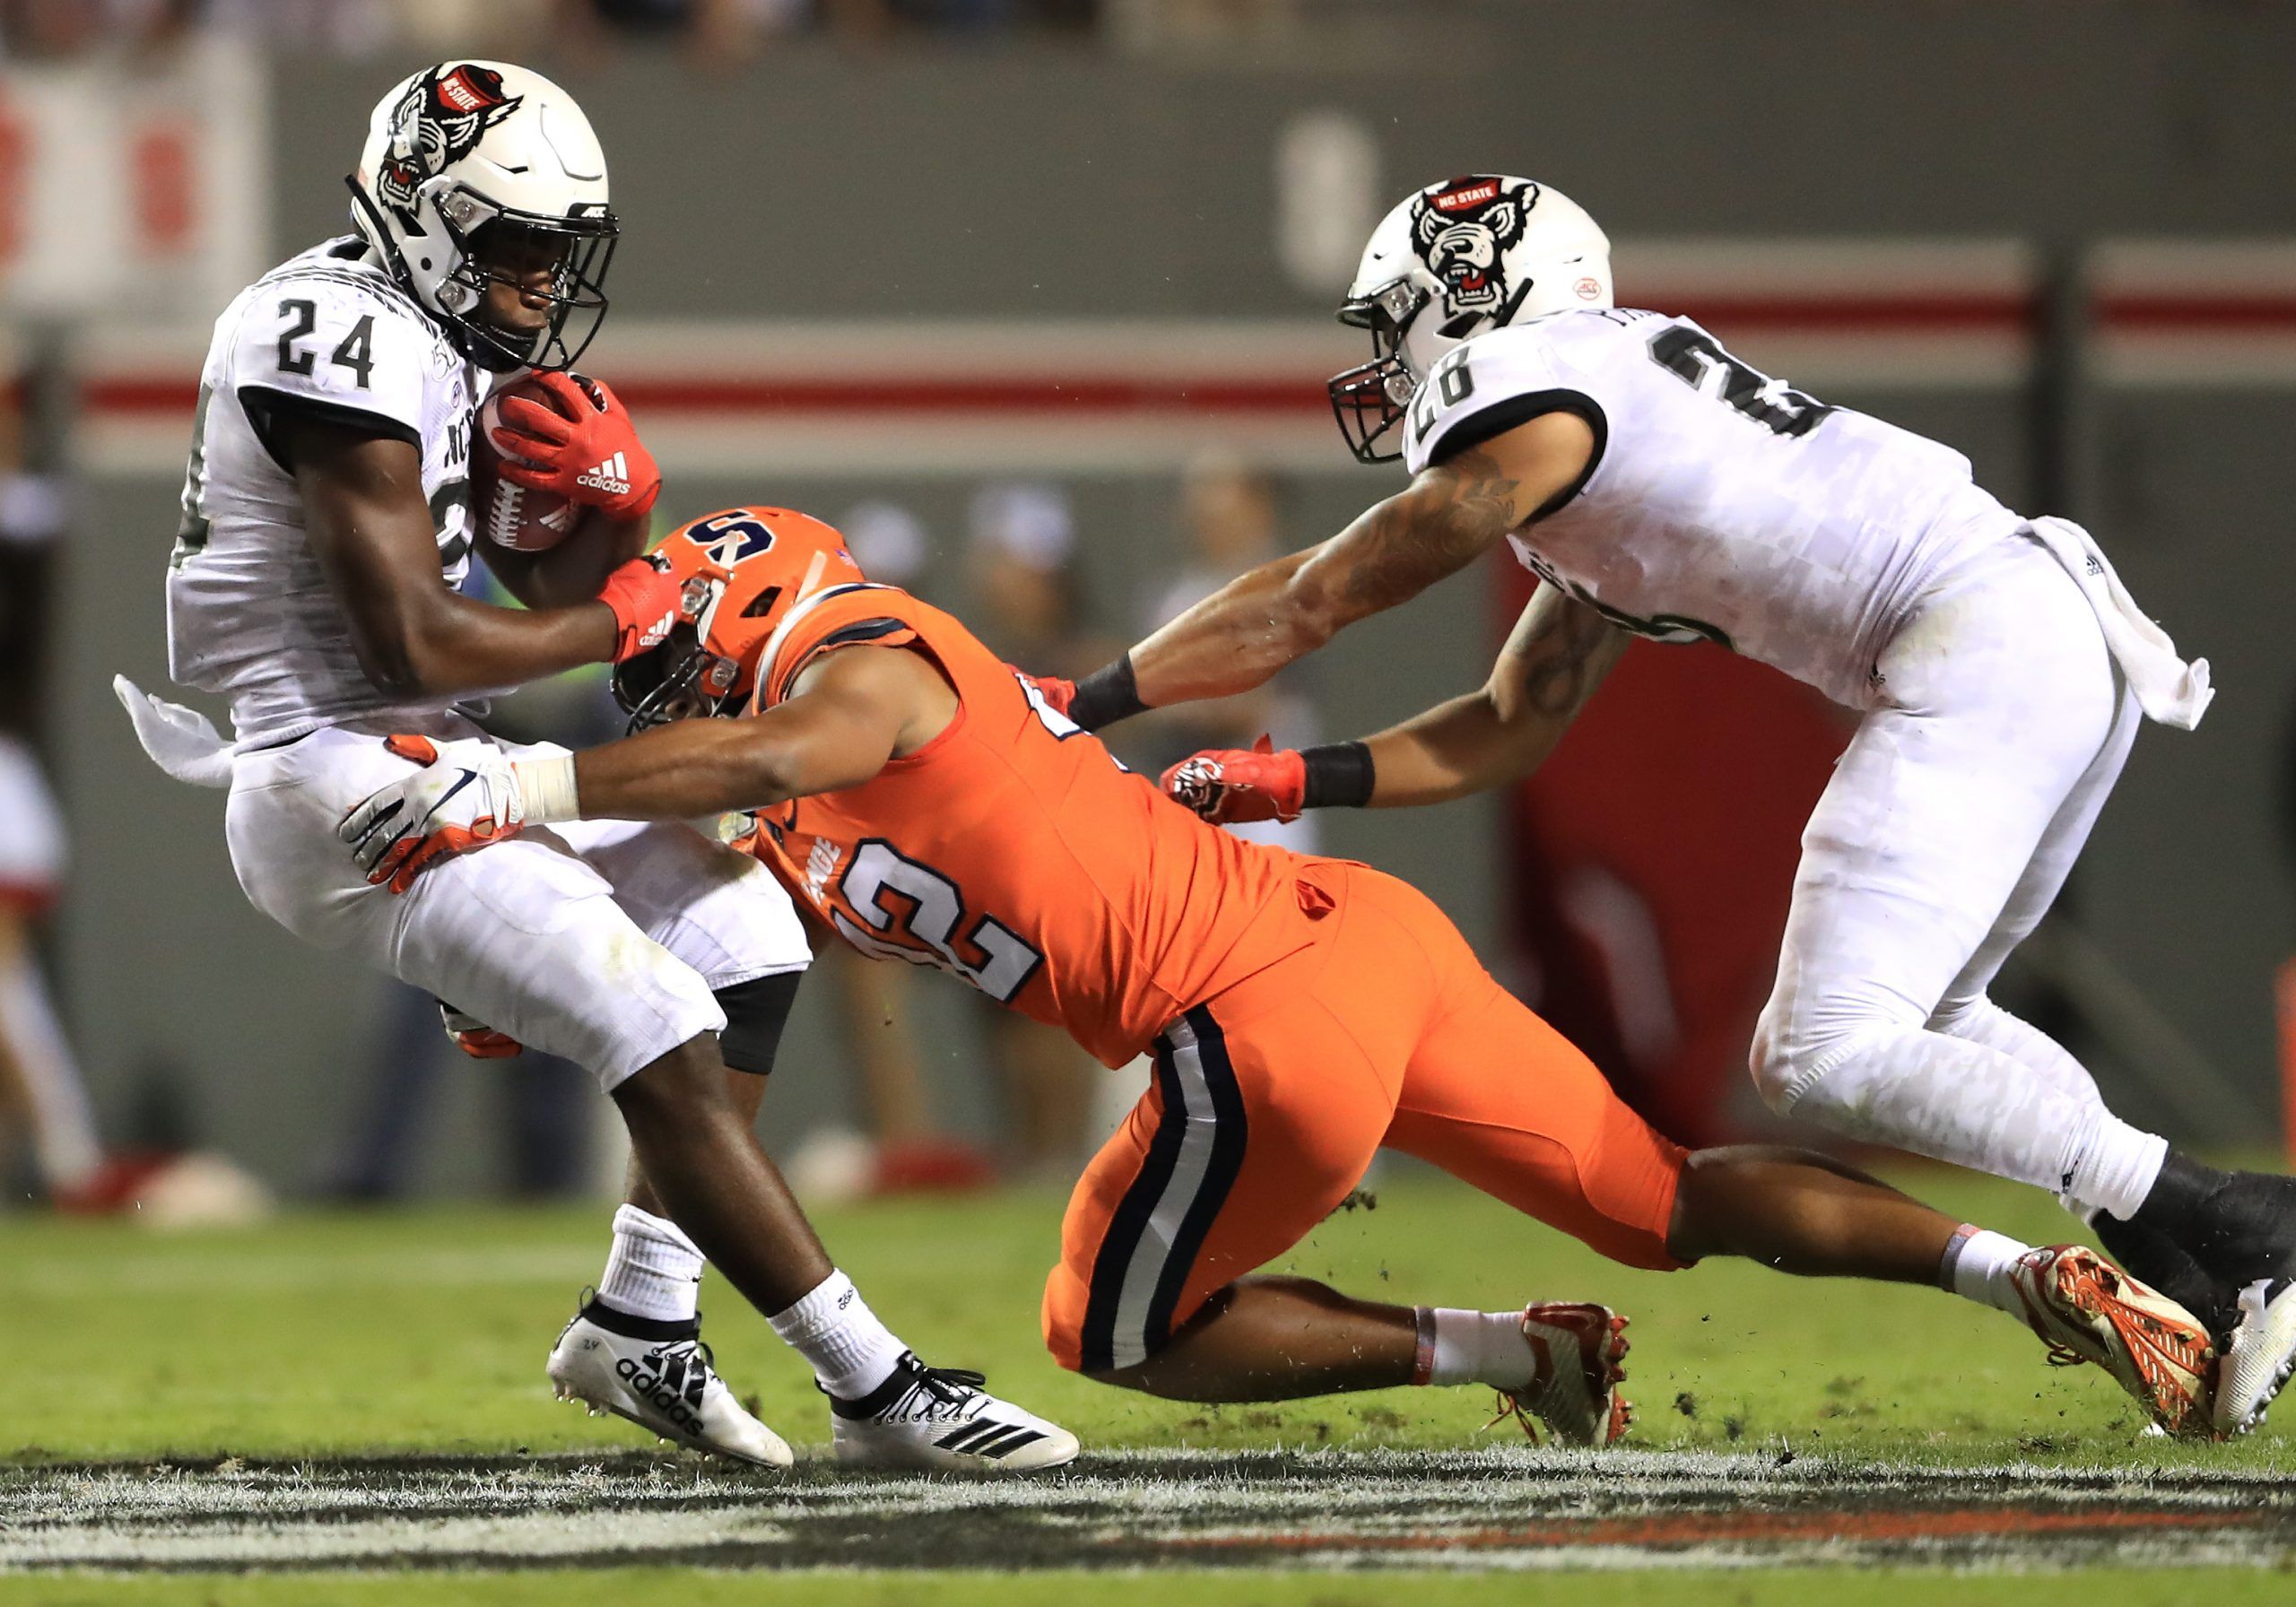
1032, 296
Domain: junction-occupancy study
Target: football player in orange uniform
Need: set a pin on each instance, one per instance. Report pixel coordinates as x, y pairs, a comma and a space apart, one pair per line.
923, 797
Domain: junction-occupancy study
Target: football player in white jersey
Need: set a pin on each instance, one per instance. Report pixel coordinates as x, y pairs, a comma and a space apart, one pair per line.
326, 523
1662, 487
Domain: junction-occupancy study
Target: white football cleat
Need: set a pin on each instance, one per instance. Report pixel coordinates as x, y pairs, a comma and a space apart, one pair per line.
2087, 1309
1575, 1391
2258, 1357
931, 1417
660, 1377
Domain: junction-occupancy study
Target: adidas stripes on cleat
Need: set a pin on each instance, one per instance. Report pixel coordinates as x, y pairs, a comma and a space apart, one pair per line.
661, 1377
926, 1417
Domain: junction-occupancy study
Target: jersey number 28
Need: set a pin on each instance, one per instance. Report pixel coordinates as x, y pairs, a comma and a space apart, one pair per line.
1694, 357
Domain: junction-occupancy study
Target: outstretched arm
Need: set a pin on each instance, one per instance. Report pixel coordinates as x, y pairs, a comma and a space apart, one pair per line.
848, 714
1557, 655
1451, 514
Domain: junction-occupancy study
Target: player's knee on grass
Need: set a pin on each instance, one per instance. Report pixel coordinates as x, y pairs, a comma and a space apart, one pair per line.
1063, 1316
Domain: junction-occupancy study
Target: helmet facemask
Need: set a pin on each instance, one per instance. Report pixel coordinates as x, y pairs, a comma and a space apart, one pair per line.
498, 243
681, 680
483, 243
743, 570
1371, 399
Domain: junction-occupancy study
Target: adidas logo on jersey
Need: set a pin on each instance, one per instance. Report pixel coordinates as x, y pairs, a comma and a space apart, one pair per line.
612, 477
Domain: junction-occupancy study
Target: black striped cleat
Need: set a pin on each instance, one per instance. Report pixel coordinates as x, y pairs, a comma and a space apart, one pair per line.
930, 1417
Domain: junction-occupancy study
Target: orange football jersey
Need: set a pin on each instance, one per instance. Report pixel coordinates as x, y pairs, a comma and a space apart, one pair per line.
1014, 851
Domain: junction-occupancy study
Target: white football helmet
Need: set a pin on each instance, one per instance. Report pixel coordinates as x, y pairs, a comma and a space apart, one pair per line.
1458, 258
474, 163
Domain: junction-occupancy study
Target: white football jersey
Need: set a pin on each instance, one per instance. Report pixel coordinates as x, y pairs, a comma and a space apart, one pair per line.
249, 613
1721, 504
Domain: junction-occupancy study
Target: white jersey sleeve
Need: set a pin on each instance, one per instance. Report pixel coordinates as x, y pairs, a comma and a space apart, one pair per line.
331, 344
1719, 504
1485, 388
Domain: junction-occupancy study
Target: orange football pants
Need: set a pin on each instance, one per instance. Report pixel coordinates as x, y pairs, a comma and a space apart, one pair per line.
1270, 1099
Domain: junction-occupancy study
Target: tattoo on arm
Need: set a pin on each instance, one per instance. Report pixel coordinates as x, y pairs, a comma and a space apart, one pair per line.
1448, 516
1564, 651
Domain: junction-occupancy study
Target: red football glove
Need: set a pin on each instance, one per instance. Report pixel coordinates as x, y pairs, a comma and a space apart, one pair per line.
1058, 693
594, 458
1230, 785
647, 601
475, 1038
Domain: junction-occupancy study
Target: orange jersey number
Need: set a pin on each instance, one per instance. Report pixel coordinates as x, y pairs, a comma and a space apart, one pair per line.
914, 912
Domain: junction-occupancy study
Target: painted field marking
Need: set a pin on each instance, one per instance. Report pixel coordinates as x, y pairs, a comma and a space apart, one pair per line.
1516, 1508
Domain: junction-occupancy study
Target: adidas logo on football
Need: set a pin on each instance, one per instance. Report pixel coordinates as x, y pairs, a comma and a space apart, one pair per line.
611, 476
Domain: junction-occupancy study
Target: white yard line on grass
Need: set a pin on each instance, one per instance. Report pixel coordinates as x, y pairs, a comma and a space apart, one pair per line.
1516, 1508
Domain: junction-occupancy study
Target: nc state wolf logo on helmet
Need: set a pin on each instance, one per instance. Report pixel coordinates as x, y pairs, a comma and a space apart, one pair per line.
439, 121
1462, 230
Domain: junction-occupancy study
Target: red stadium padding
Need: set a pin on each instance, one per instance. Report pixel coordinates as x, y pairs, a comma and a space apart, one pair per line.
1651, 861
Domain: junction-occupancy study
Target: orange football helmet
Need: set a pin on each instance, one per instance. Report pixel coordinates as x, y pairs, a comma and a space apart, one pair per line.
756, 563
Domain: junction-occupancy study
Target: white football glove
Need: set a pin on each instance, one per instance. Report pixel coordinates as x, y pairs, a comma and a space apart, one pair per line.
465, 796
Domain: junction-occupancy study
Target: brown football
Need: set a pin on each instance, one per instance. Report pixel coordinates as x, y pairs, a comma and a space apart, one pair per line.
509, 514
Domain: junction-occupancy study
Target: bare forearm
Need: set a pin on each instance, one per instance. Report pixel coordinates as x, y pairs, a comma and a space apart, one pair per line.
836, 733
681, 772
453, 645
1556, 657
1236, 639
1455, 751
1232, 642
371, 533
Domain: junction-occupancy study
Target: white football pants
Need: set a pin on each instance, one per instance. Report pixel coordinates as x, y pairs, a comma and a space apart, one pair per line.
597, 940
1948, 828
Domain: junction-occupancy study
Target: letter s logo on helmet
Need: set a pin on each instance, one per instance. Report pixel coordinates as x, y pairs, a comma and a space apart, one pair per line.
1452, 261
477, 169
744, 570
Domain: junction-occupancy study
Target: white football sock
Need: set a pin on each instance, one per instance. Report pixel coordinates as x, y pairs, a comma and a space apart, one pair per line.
833, 1328
653, 1271
1472, 1347
2116, 1167
2119, 1169
1978, 1266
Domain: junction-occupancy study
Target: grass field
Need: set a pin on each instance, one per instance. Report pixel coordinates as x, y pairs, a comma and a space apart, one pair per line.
333, 1394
